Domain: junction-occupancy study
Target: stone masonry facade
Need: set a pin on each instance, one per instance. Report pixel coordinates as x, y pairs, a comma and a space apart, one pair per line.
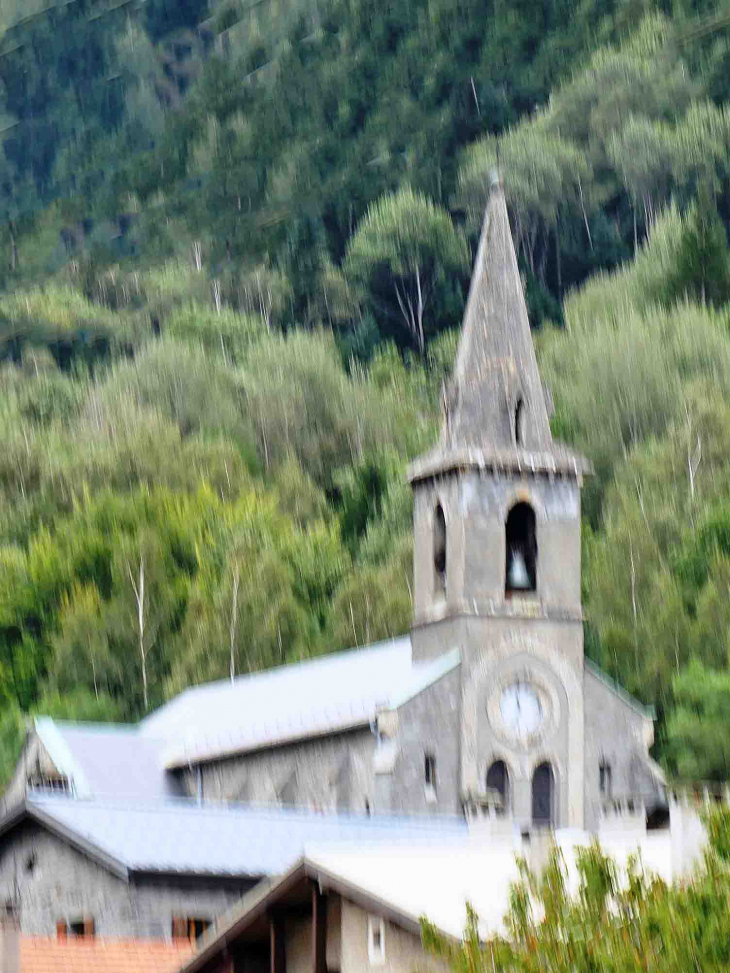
56, 883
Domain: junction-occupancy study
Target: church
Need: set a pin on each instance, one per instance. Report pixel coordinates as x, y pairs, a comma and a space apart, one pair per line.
488, 707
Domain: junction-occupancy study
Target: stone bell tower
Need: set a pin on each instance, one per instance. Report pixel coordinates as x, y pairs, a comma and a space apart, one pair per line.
497, 555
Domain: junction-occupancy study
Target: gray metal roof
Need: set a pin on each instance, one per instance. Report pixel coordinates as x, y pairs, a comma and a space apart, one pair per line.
180, 836
321, 695
104, 760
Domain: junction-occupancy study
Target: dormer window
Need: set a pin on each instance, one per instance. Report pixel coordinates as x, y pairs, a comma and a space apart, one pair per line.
439, 551
49, 782
521, 549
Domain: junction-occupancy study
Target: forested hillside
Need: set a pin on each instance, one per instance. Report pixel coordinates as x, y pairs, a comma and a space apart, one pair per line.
235, 242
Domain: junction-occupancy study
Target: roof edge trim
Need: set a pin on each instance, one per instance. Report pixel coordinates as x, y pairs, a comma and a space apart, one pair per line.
26, 809
60, 753
648, 712
436, 670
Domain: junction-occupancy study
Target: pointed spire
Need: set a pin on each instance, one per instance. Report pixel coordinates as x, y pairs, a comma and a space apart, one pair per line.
496, 398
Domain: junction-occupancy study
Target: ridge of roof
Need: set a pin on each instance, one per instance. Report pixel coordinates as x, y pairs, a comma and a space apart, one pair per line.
251, 810
265, 674
94, 726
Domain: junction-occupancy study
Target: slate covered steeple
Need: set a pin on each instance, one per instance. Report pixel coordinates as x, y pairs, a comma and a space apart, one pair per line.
496, 399
497, 501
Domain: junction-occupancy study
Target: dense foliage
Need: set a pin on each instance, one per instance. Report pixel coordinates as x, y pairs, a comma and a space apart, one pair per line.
236, 245
613, 921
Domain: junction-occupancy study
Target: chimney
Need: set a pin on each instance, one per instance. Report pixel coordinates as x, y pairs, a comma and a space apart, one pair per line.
9, 938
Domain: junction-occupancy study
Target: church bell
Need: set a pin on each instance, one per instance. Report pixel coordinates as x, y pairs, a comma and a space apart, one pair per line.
517, 576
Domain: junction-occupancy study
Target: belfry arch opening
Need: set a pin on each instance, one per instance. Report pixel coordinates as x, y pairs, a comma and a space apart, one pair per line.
498, 780
439, 551
521, 550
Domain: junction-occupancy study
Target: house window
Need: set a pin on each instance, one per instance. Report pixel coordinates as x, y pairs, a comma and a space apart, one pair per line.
605, 781
189, 927
376, 940
439, 550
521, 549
82, 928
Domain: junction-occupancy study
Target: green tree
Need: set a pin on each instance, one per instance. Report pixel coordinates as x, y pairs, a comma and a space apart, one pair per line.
406, 251
703, 263
698, 742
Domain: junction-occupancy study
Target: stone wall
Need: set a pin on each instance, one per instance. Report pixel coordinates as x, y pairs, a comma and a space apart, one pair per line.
619, 735
329, 773
428, 724
55, 882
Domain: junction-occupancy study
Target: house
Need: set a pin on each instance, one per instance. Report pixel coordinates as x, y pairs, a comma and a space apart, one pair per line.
162, 870
354, 908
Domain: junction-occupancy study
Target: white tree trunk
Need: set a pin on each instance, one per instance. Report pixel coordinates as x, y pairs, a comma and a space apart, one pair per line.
139, 596
234, 620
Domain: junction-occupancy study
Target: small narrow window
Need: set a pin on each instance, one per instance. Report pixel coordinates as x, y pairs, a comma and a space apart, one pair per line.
519, 420
429, 778
376, 940
439, 550
605, 779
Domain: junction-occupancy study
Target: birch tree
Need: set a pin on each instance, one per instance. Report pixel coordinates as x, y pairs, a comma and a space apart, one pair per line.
143, 603
403, 251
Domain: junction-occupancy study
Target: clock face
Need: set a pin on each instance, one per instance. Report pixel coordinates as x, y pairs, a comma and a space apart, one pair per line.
521, 709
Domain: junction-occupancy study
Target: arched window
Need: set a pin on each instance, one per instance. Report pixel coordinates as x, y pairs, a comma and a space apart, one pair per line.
543, 795
439, 550
519, 421
521, 547
498, 780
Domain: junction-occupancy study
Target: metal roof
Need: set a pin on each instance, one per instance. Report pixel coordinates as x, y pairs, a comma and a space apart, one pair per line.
180, 836
333, 693
322, 695
104, 760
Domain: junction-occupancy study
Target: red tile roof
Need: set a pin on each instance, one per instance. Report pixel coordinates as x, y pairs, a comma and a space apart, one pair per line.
49, 955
